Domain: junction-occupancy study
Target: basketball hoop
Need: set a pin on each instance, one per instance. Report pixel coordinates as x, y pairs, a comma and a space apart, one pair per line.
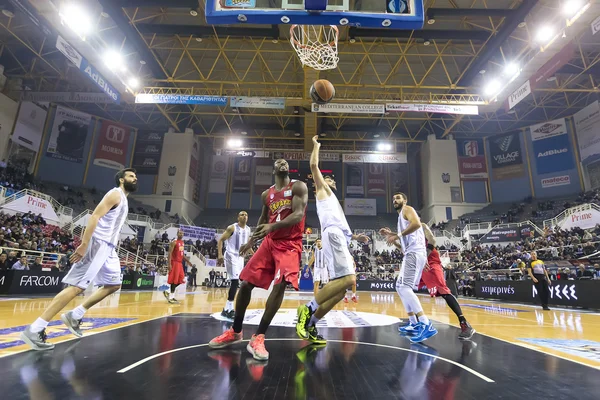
316, 45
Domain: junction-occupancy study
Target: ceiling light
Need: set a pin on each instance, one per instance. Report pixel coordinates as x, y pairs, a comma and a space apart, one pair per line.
142, 62
244, 133
352, 40
275, 41
75, 17
572, 7
297, 134
522, 24
511, 69
544, 34
384, 147
492, 88
426, 42
113, 60
133, 82
482, 71
551, 79
431, 21
194, 12
8, 11
234, 143
199, 39
376, 135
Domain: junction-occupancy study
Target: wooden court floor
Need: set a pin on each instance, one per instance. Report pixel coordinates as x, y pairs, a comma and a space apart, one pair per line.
510, 338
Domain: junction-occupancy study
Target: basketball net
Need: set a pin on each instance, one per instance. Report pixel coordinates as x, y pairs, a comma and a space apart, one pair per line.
316, 45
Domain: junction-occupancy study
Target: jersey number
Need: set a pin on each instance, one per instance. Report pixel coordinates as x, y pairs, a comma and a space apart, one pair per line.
278, 217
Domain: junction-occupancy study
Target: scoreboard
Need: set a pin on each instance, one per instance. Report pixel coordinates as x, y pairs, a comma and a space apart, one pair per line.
304, 174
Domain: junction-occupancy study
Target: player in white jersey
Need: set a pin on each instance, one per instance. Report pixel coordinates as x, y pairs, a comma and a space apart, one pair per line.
235, 236
336, 236
317, 263
94, 260
411, 239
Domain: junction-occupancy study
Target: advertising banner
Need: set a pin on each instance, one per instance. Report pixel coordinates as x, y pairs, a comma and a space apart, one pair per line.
584, 219
587, 126
218, 174
396, 158
112, 146
360, 207
355, 183
471, 159
138, 282
510, 234
434, 108
553, 154
507, 158
68, 135
518, 95
66, 97
263, 175
35, 205
304, 156
563, 293
30, 126
276, 103
548, 129
349, 108
376, 285
242, 170
556, 181
198, 233
399, 178
201, 100
376, 180
147, 152
31, 282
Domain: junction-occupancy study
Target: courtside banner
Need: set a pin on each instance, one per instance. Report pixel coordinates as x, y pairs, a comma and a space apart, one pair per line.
30, 126
471, 159
112, 146
587, 125
145, 98
433, 108
396, 158
275, 103
349, 108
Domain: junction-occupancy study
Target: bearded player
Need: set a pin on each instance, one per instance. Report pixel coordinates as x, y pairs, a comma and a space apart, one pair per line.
336, 236
277, 259
176, 273
433, 278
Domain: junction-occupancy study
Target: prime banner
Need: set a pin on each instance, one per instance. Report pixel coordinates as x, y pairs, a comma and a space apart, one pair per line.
562, 293
507, 157
471, 159
68, 135
551, 147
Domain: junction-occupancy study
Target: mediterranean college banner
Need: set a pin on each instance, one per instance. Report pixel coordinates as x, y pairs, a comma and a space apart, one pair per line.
147, 152
507, 158
242, 168
551, 147
112, 146
263, 175
355, 183
30, 126
69, 133
587, 125
375, 180
218, 174
471, 159
360, 207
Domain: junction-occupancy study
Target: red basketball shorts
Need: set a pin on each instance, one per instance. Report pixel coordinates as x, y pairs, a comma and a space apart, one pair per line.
434, 280
274, 261
176, 275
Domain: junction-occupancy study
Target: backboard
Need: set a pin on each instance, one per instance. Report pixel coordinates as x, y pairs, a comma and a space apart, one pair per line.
395, 14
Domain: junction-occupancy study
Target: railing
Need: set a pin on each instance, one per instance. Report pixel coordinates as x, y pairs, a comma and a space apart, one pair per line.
49, 259
127, 258
556, 220
483, 226
59, 208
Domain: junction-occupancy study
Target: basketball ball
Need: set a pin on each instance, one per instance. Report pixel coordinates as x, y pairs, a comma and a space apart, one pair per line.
322, 91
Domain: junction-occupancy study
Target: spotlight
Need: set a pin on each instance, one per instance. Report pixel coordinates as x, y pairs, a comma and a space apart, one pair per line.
234, 143
244, 133
492, 88
113, 60
544, 34
75, 17
142, 62
133, 82
511, 69
376, 135
8, 11
384, 147
572, 7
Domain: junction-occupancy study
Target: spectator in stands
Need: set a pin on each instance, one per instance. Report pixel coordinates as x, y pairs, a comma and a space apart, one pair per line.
584, 273
3, 264
12, 259
64, 264
36, 265
21, 265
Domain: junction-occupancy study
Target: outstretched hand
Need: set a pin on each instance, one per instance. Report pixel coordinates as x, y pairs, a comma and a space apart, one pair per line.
315, 142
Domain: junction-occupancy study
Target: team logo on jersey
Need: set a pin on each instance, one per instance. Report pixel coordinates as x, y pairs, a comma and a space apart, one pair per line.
287, 193
277, 206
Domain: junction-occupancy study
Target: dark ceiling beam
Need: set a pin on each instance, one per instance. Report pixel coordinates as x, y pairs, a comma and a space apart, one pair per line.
574, 70
425, 34
207, 31
494, 44
159, 3
433, 13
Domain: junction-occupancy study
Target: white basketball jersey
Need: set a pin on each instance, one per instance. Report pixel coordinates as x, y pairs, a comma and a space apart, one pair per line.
239, 238
319, 258
109, 226
413, 243
331, 214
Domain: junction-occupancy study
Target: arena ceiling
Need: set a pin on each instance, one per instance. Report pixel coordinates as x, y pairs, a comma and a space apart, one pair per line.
172, 51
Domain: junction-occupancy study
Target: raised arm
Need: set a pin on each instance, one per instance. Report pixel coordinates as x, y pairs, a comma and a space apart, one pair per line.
226, 235
323, 190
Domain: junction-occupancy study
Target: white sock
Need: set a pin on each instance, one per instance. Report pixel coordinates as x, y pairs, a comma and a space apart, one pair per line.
413, 319
78, 312
172, 295
424, 319
313, 320
229, 306
353, 294
312, 305
38, 325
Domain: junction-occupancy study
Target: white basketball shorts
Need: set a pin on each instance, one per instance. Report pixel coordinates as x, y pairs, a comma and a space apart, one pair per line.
99, 265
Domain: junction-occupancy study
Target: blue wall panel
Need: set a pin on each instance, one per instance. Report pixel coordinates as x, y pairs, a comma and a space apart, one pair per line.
474, 191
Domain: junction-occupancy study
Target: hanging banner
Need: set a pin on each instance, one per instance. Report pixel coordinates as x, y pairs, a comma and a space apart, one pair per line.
242, 168
112, 146
32, 204
30, 126
263, 175
147, 152
507, 158
396, 158
587, 125
193, 170
304, 156
349, 108
275, 103
518, 95
68, 135
218, 174
433, 108
553, 154
399, 178
595, 26
376, 180
66, 97
198, 233
360, 207
471, 159
355, 184
556, 181
548, 129
144, 98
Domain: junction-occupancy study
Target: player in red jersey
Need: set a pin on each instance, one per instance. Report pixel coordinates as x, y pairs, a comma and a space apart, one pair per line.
176, 273
277, 259
433, 277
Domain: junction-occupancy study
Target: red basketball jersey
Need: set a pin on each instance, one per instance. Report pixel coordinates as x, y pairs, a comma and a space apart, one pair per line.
177, 254
279, 204
434, 257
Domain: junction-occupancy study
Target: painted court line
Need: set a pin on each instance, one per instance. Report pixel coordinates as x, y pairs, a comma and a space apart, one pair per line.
472, 371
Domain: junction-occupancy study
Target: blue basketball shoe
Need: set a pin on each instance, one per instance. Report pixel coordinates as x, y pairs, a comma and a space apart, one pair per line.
423, 332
